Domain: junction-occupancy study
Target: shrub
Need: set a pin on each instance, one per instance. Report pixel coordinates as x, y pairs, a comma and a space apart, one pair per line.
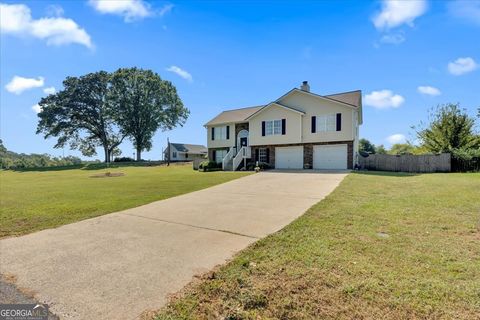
468, 154
124, 159
209, 166
262, 165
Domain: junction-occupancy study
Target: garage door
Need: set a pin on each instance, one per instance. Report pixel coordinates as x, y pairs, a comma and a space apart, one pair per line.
330, 156
289, 157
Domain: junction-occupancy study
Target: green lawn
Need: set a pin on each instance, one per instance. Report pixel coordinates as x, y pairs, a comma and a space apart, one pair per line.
381, 246
34, 200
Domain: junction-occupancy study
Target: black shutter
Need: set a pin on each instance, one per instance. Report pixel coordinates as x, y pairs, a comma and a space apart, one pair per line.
256, 155
339, 122
263, 128
284, 126
268, 155
213, 133
214, 155
314, 124
228, 132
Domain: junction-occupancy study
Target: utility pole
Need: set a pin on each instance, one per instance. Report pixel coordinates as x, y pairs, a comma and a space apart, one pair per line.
168, 151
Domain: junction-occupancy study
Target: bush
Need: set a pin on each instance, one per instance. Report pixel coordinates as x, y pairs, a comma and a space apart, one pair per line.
209, 166
262, 165
124, 159
468, 154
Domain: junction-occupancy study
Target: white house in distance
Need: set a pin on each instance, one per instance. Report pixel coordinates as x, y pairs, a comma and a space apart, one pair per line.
299, 130
184, 152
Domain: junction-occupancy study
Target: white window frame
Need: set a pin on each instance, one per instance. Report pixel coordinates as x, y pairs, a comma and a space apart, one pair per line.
174, 154
220, 133
262, 153
326, 123
273, 127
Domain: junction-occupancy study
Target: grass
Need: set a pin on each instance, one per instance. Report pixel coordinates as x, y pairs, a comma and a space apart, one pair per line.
33, 200
381, 246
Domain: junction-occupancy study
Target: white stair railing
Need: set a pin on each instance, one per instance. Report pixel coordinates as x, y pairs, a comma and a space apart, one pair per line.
227, 157
243, 153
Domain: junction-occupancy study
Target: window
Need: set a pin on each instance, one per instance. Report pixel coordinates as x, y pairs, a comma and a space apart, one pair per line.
220, 133
174, 154
326, 123
219, 155
273, 127
262, 155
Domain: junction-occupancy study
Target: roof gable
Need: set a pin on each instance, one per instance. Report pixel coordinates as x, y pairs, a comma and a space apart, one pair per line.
295, 90
273, 104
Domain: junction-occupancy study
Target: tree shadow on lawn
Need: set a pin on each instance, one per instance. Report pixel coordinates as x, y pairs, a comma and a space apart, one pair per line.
92, 166
386, 173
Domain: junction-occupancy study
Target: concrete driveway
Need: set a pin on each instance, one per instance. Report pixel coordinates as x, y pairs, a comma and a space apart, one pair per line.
118, 265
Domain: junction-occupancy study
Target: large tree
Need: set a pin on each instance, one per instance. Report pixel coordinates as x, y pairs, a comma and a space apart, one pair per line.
450, 128
80, 115
144, 103
366, 146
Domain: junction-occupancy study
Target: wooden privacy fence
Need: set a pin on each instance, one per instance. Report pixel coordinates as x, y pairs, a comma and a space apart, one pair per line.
407, 162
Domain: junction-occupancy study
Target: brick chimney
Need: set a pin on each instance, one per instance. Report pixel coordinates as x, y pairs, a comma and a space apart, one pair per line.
305, 86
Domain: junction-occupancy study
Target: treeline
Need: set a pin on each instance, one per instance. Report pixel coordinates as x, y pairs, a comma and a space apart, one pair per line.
13, 160
450, 130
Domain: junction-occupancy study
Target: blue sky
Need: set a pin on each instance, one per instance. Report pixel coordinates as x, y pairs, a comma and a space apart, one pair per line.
405, 56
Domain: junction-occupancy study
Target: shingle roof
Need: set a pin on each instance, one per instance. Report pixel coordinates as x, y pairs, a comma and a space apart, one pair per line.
190, 148
352, 97
236, 115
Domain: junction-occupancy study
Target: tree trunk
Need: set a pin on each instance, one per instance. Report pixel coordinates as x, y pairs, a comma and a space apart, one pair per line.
139, 154
107, 154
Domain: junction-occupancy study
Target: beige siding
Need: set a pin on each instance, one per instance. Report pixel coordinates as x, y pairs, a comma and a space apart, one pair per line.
293, 127
221, 143
315, 106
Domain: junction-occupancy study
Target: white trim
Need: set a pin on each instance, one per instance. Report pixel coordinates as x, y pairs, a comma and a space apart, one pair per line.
247, 136
316, 96
277, 105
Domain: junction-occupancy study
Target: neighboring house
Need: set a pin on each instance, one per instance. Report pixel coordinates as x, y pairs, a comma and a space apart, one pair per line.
184, 152
299, 130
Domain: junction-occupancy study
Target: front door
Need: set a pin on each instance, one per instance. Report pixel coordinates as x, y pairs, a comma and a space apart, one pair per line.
243, 142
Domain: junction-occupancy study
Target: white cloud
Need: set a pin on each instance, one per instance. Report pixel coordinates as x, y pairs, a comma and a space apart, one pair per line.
182, 73
466, 9
16, 19
393, 38
54, 10
383, 99
130, 10
396, 138
36, 108
166, 9
19, 84
428, 90
394, 13
462, 65
49, 90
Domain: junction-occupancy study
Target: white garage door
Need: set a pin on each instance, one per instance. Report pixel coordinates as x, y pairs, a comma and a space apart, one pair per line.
289, 157
330, 156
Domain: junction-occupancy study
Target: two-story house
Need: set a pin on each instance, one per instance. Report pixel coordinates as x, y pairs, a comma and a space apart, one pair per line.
299, 130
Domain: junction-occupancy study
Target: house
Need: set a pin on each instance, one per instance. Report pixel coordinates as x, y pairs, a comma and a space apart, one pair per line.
184, 152
299, 130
